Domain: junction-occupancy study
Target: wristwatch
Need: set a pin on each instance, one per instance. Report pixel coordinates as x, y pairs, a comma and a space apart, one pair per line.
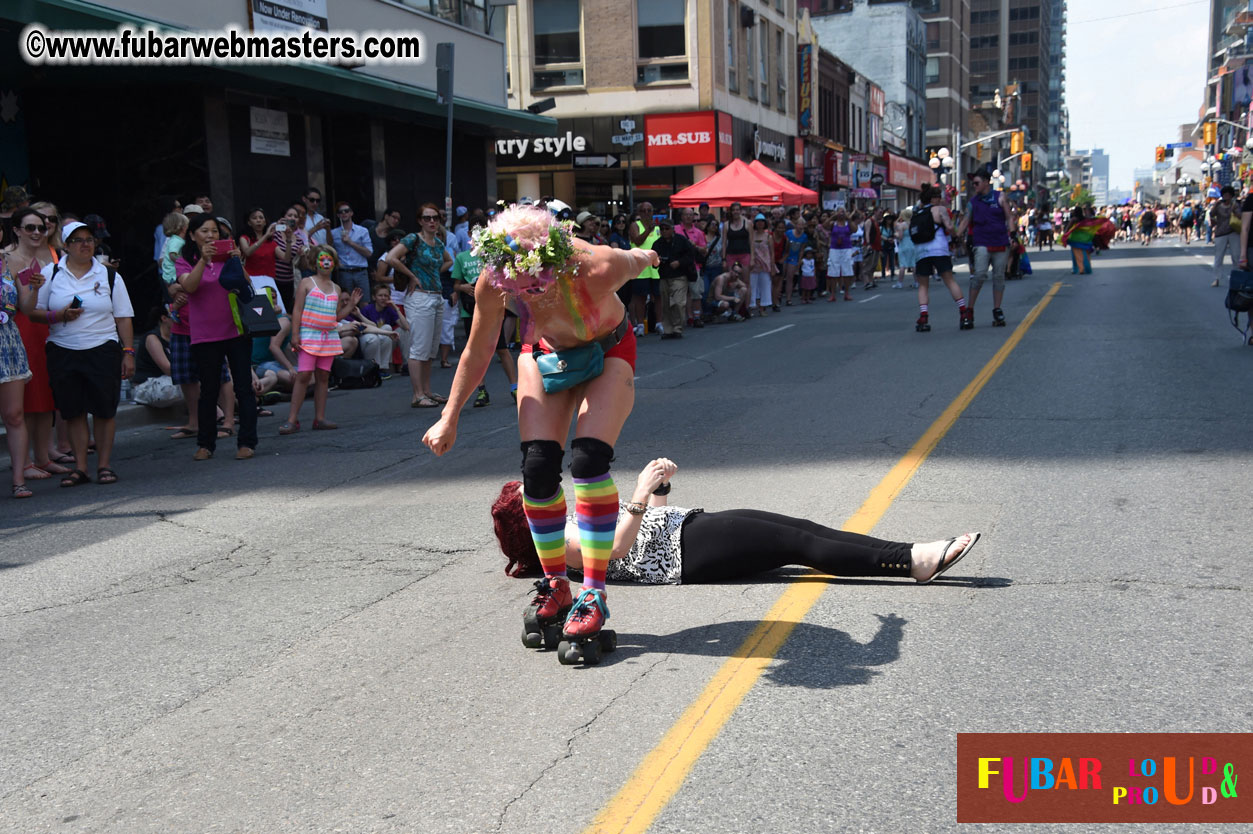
664, 489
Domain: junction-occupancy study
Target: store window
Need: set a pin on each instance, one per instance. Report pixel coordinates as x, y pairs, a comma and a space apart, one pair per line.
558, 43
750, 72
662, 38
780, 69
765, 63
471, 14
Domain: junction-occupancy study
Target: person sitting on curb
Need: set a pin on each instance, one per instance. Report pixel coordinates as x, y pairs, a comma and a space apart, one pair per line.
730, 294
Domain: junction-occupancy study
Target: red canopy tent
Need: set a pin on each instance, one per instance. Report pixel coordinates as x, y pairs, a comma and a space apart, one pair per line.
738, 183
792, 193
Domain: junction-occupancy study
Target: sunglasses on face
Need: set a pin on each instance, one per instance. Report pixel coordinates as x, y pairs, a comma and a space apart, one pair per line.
313, 199
430, 217
345, 211
32, 229
75, 241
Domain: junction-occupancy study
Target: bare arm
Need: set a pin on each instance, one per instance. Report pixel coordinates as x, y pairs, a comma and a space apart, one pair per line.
126, 333
656, 473
1246, 217
489, 313
156, 352
395, 260
298, 310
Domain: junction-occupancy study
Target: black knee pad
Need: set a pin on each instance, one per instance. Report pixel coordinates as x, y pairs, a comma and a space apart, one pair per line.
589, 457
541, 468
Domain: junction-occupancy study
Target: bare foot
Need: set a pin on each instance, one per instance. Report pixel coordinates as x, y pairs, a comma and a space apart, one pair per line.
926, 557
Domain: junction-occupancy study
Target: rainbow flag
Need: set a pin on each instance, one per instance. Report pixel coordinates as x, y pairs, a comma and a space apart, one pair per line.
1092, 233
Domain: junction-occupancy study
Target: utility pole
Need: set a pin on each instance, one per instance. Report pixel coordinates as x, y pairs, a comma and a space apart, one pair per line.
443, 90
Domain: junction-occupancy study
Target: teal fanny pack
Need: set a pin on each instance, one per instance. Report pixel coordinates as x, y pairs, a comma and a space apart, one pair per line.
565, 369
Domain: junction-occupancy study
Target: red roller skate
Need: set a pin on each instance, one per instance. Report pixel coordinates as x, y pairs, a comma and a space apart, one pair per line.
544, 614
967, 319
584, 638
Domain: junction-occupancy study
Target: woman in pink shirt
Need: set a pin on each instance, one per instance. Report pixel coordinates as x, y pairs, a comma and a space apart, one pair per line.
216, 335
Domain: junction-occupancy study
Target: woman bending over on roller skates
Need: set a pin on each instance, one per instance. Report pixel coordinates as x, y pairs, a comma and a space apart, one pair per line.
658, 544
578, 353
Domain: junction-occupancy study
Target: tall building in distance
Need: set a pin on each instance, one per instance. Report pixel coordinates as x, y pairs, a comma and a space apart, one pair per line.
947, 31
1013, 46
1229, 72
884, 41
1058, 115
1090, 169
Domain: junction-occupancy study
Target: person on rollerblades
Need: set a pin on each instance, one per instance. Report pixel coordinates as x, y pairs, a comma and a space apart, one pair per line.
578, 354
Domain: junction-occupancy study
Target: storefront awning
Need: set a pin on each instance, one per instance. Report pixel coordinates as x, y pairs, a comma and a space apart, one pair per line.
366, 92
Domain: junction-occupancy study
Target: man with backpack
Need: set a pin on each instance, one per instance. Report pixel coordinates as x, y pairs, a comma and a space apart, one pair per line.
990, 221
931, 229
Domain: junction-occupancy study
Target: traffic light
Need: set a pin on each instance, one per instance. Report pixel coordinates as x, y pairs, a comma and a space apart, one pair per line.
1160, 156
1015, 142
1210, 133
1026, 162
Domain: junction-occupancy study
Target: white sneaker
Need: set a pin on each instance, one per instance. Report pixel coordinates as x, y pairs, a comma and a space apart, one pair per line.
639, 330
661, 328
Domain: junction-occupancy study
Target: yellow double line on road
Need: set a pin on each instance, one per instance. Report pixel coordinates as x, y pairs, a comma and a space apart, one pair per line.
661, 774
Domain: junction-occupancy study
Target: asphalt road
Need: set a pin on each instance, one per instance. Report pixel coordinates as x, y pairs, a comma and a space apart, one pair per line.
322, 639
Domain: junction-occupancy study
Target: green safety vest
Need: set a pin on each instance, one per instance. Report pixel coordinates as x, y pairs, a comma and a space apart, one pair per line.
651, 271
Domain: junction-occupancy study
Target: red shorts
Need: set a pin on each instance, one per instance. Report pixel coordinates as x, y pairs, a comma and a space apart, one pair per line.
624, 350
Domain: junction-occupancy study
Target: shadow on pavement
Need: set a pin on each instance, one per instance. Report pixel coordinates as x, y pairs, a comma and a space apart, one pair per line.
813, 656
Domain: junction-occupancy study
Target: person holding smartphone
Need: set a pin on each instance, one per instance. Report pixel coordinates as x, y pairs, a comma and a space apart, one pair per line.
216, 335
90, 347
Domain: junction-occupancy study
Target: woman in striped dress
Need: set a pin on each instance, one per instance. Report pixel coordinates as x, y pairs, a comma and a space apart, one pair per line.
319, 307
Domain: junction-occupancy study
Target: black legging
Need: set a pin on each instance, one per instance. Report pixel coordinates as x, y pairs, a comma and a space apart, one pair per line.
738, 543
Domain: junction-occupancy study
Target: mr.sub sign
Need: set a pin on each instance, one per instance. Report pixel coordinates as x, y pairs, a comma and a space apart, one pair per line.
686, 138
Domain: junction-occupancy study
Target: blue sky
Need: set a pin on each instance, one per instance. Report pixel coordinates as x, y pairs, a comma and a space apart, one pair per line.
1133, 76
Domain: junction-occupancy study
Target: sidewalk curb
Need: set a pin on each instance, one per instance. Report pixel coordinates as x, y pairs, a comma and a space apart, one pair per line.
133, 415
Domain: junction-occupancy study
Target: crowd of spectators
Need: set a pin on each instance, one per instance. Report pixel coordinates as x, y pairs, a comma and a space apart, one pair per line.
385, 299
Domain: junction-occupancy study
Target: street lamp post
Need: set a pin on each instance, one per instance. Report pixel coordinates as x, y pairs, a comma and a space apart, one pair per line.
941, 159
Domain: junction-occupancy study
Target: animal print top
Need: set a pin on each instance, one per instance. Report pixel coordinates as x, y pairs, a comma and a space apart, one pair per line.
656, 558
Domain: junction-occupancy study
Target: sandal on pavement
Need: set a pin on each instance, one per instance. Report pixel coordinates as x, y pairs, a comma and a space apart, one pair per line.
945, 565
183, 434
53, 468
224, 433
439, 398
245, 453
63, 459
76, 478
424, 402
264, 412
31, 472
324, 425
105, 475
21, 491
289, 427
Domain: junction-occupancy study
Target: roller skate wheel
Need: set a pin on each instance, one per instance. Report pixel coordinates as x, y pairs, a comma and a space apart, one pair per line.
568, 653
608, 640
532, 639
591, 651
552, 636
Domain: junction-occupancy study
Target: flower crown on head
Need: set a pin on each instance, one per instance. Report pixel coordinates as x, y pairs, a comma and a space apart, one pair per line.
523, 248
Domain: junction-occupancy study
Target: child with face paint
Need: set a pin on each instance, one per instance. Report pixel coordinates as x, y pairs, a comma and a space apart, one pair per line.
319, 306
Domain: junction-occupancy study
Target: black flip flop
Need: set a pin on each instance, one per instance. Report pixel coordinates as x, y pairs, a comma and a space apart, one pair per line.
944, 566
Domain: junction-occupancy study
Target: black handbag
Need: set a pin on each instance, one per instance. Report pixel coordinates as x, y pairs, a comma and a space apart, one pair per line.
356, 373
1240, 300
257, 316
